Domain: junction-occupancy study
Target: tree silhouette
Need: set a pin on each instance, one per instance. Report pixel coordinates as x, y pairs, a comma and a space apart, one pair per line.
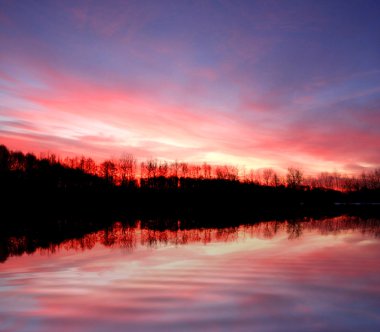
127, 168
26, 178
268, 174
294, 177
108, 170
4, 158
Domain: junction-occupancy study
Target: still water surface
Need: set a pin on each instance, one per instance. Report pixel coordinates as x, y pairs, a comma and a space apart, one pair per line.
314, 275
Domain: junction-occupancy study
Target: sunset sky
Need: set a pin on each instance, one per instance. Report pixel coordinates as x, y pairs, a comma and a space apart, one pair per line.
254, 83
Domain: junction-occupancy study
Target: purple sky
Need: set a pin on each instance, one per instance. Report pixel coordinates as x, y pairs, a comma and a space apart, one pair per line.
254, 83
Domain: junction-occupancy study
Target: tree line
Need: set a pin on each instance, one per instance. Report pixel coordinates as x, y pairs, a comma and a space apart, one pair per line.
126, 171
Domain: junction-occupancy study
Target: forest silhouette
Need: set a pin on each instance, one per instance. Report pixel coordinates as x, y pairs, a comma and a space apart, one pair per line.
49, 181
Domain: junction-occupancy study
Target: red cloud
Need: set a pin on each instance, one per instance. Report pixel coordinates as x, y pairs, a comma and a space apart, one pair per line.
67, 114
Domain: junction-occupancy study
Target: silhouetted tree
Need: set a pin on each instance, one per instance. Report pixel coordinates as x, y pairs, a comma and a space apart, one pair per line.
195, 171
31, 162
174, 169
267, 176
206, 168
127, 168
294, 177
90, 166
184, 167
276, 181
17, 161
374, 179
4, 158
255, 176
163, 169
151, 166
108, 170
226, 172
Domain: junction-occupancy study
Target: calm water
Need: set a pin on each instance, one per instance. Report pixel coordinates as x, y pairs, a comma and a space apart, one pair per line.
274, 276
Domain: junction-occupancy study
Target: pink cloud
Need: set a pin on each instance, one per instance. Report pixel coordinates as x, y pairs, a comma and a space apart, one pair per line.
71, 115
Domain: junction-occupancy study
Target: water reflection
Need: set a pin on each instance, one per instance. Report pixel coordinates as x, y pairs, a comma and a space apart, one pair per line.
304, 275
151, 233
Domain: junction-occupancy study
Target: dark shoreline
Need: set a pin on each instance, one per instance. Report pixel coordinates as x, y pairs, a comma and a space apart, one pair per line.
217, 203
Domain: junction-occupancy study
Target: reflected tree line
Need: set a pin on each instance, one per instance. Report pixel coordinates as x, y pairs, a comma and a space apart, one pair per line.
151, 233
